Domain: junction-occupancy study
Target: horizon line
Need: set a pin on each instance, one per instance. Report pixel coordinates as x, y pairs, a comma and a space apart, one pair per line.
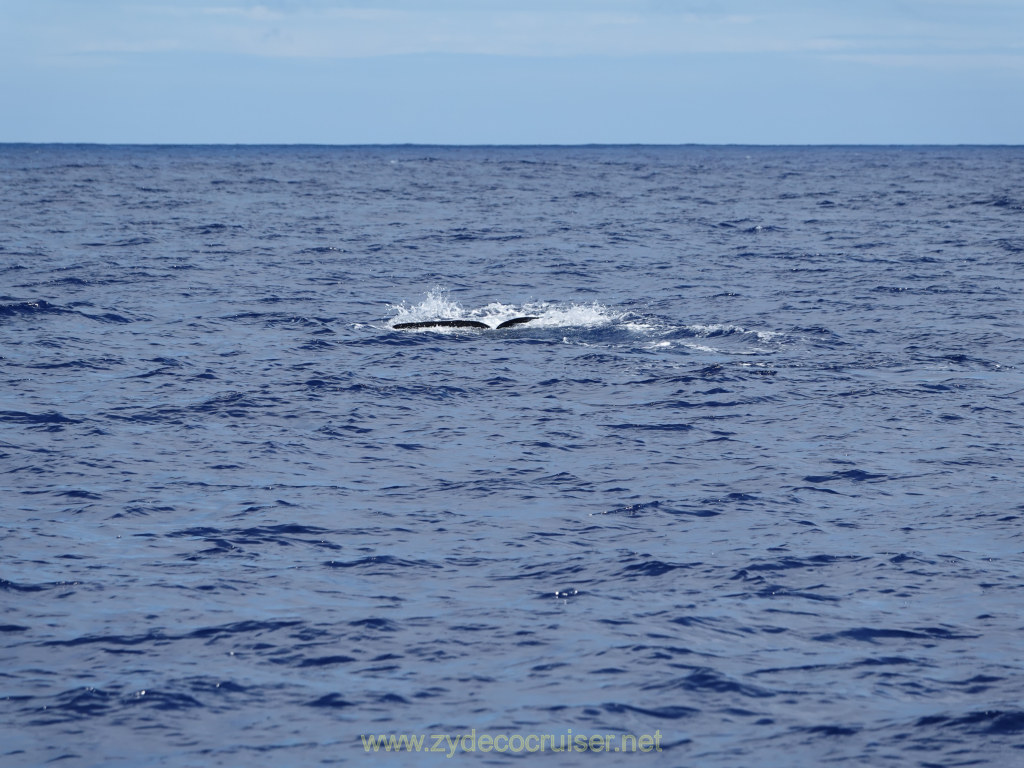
486, 145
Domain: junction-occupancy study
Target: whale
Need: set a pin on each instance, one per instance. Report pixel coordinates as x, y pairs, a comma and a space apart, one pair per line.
461, 324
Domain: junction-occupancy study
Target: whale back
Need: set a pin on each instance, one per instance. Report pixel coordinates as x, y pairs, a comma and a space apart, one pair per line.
442, 324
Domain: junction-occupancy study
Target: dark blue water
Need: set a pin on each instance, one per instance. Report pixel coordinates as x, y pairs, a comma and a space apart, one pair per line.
752, 480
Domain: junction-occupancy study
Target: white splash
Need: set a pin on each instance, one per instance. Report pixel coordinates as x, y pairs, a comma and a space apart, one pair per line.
722, 329
571, 315
438, 305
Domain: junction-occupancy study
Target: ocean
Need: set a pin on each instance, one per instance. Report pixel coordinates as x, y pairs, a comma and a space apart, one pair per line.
746, 492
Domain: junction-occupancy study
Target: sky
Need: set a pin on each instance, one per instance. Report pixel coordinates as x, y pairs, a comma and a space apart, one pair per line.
512, 71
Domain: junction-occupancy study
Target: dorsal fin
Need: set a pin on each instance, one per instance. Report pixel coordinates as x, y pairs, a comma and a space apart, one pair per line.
515, 321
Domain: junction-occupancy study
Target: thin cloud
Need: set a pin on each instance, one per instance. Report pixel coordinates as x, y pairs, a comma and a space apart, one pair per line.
313, 31
254, 13
318, 29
